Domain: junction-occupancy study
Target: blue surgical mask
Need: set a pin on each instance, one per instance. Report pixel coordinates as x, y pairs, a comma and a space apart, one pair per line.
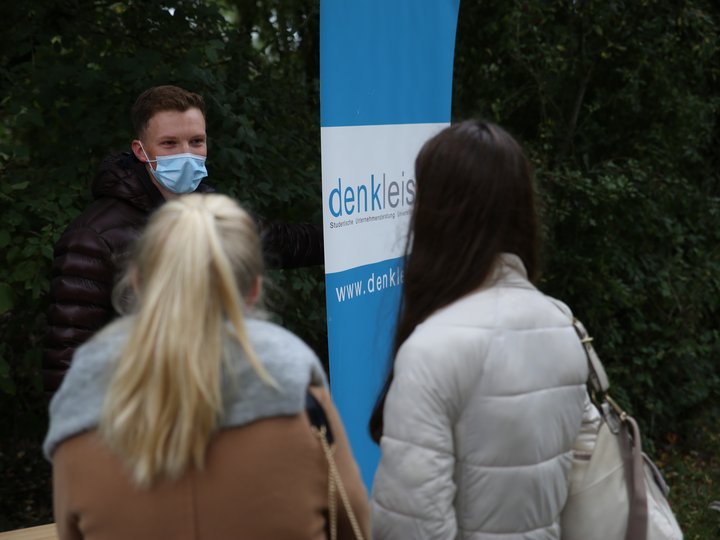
179, 173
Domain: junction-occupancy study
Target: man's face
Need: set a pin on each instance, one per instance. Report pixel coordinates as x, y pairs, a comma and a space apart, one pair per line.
172, 132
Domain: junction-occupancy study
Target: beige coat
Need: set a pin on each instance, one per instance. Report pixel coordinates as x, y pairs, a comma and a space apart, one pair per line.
264, 480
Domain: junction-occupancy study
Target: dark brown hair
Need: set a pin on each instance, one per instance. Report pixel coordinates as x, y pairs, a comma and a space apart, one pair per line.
475, 199
162, 98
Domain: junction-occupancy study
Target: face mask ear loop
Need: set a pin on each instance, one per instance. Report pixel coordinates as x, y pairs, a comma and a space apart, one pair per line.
145, 154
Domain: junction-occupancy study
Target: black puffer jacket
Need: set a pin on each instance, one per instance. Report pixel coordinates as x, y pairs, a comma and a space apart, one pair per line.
90, 255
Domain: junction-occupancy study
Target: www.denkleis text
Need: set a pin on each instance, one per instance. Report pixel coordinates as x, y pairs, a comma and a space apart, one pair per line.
375, 283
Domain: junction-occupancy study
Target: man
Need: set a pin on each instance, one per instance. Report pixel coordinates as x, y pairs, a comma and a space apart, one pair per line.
167, 160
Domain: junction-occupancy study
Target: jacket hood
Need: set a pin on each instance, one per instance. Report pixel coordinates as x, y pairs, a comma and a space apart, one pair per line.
122, 176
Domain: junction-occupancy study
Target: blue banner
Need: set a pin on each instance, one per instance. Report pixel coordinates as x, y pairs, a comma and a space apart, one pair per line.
385, 87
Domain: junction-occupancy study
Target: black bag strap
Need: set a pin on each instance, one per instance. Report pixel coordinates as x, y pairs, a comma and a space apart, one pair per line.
317, 416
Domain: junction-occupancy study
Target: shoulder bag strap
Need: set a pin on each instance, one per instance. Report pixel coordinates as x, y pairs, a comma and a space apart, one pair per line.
626, 429
597, 378
321, 428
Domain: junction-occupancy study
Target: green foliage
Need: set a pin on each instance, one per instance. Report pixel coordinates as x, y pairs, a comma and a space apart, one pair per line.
297, 300
617, 104
644, 272
694, 474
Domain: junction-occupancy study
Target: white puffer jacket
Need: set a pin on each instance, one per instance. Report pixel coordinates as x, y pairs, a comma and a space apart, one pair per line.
486, 401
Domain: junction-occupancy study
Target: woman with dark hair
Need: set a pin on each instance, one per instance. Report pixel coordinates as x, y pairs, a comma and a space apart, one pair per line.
486, 393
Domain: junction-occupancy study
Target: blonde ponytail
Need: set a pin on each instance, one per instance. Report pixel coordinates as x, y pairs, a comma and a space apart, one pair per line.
196, 261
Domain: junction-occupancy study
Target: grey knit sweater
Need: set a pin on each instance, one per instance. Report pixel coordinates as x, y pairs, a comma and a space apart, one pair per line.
77, 405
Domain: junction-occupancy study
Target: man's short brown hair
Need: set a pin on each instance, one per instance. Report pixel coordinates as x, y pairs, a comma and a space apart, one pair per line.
162, 98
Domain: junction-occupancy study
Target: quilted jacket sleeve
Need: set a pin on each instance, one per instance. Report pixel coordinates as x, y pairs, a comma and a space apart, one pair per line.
414, 487
83, 274
290, 245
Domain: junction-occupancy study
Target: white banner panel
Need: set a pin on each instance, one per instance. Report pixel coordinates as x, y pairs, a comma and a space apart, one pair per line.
368, 190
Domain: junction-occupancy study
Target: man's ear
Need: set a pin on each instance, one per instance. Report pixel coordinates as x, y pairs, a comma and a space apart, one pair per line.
136, 146
253, 294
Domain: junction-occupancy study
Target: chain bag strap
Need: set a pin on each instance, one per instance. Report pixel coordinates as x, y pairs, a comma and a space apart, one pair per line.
321, 429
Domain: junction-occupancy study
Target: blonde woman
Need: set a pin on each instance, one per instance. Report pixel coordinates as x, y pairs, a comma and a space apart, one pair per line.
187, 418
